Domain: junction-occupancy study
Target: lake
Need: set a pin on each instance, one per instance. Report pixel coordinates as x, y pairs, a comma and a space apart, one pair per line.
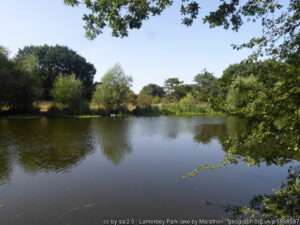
85, 171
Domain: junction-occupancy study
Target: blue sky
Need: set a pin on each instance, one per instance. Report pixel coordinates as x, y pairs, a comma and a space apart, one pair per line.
161, 49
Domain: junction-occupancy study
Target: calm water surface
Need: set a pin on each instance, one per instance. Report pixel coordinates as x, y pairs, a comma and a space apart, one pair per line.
81, 171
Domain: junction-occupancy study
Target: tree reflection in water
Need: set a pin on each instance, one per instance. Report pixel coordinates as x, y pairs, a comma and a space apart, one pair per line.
244, 142
37, 145
5, 165
281, 204
236, 138
113, 137
57, 145
5, 156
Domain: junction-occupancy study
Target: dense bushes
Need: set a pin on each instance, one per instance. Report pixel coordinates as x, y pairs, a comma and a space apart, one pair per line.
19, 83
267, 93
186, 106
246, 95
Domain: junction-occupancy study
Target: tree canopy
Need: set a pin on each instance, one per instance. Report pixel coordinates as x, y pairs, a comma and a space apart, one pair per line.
205, 82
171, 84
114, 90
204, 79
19, 83
153, 90
267, 93
67, 90
55, 60
279, 19
175, 89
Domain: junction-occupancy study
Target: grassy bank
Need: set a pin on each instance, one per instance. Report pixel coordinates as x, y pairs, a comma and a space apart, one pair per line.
51, 109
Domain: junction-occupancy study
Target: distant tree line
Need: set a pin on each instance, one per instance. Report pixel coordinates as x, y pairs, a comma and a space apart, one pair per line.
59, 74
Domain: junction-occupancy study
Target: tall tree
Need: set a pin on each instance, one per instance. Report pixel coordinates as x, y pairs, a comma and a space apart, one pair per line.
55, 60
114, 90
204, 79
204, 84
171, 84
175, 89
68, 91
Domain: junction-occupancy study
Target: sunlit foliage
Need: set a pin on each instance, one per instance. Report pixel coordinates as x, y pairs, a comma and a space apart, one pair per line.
114, 90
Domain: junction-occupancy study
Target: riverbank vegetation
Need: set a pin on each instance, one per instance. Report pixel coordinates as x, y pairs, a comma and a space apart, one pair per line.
40, 75
265, 92
54, 80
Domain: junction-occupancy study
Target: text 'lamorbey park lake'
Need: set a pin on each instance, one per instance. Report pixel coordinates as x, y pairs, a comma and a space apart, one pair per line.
86, 171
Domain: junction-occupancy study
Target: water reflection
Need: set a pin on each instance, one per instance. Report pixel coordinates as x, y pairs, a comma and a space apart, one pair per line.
161, 150
172, 127
236, 137
39, 145
205, 133
233, 135
281, 204
5, 164
58, 144
6, 152
113, 137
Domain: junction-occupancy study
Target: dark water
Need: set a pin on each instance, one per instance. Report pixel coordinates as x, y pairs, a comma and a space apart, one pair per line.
81, 171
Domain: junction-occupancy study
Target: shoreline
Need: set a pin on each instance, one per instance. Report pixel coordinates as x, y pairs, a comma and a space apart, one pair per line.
88, 116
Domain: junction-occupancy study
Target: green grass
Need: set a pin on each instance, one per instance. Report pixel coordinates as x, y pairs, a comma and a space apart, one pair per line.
83, 116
